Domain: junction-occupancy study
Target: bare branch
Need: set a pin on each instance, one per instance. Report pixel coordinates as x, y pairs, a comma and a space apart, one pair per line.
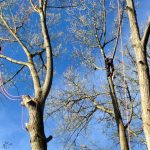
49, 55
133, 21
13, 60
136, 135
102, 108
131, 106
38, 53
97, 67
118, 34
15, 36
107, 42
99, 44
43, 61
104, 19
6, 39
62, 7
146, 35
11, 78
44, 7
35, 8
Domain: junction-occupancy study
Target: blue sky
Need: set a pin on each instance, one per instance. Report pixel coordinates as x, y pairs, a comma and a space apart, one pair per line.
10, 112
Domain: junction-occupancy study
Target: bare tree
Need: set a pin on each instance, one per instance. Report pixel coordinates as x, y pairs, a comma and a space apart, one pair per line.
100, 33
90, 29
26, 25
140, 46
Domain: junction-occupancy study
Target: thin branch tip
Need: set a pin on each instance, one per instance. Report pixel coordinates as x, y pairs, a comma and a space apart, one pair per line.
146, 34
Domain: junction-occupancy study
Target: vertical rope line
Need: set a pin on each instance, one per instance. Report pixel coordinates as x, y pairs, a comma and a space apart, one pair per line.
22, 118
118, 6
124, 76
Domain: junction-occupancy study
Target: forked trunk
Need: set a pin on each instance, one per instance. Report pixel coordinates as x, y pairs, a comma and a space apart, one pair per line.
122, 136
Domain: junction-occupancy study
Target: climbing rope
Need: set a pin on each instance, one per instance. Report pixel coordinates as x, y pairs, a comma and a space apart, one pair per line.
5, 93
124, 73
12, 98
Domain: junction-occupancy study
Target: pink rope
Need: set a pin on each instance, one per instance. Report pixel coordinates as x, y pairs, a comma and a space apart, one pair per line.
22, 118
8, 95
13, 98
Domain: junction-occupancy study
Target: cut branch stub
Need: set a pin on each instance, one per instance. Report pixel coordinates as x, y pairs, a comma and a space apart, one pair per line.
27, 100
35, 126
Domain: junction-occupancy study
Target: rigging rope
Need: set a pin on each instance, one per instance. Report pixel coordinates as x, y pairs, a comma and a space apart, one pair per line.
4, 91
124, 74
12, 98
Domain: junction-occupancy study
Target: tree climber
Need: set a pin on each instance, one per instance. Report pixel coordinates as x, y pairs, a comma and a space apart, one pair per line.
110, 67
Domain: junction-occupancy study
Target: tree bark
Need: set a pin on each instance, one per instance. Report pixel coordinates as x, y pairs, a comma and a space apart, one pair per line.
35, 106
35, 126
142, 68
120, 125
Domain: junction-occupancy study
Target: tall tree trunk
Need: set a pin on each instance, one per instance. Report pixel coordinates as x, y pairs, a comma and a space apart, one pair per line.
35, 126
120, 125
142, 67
